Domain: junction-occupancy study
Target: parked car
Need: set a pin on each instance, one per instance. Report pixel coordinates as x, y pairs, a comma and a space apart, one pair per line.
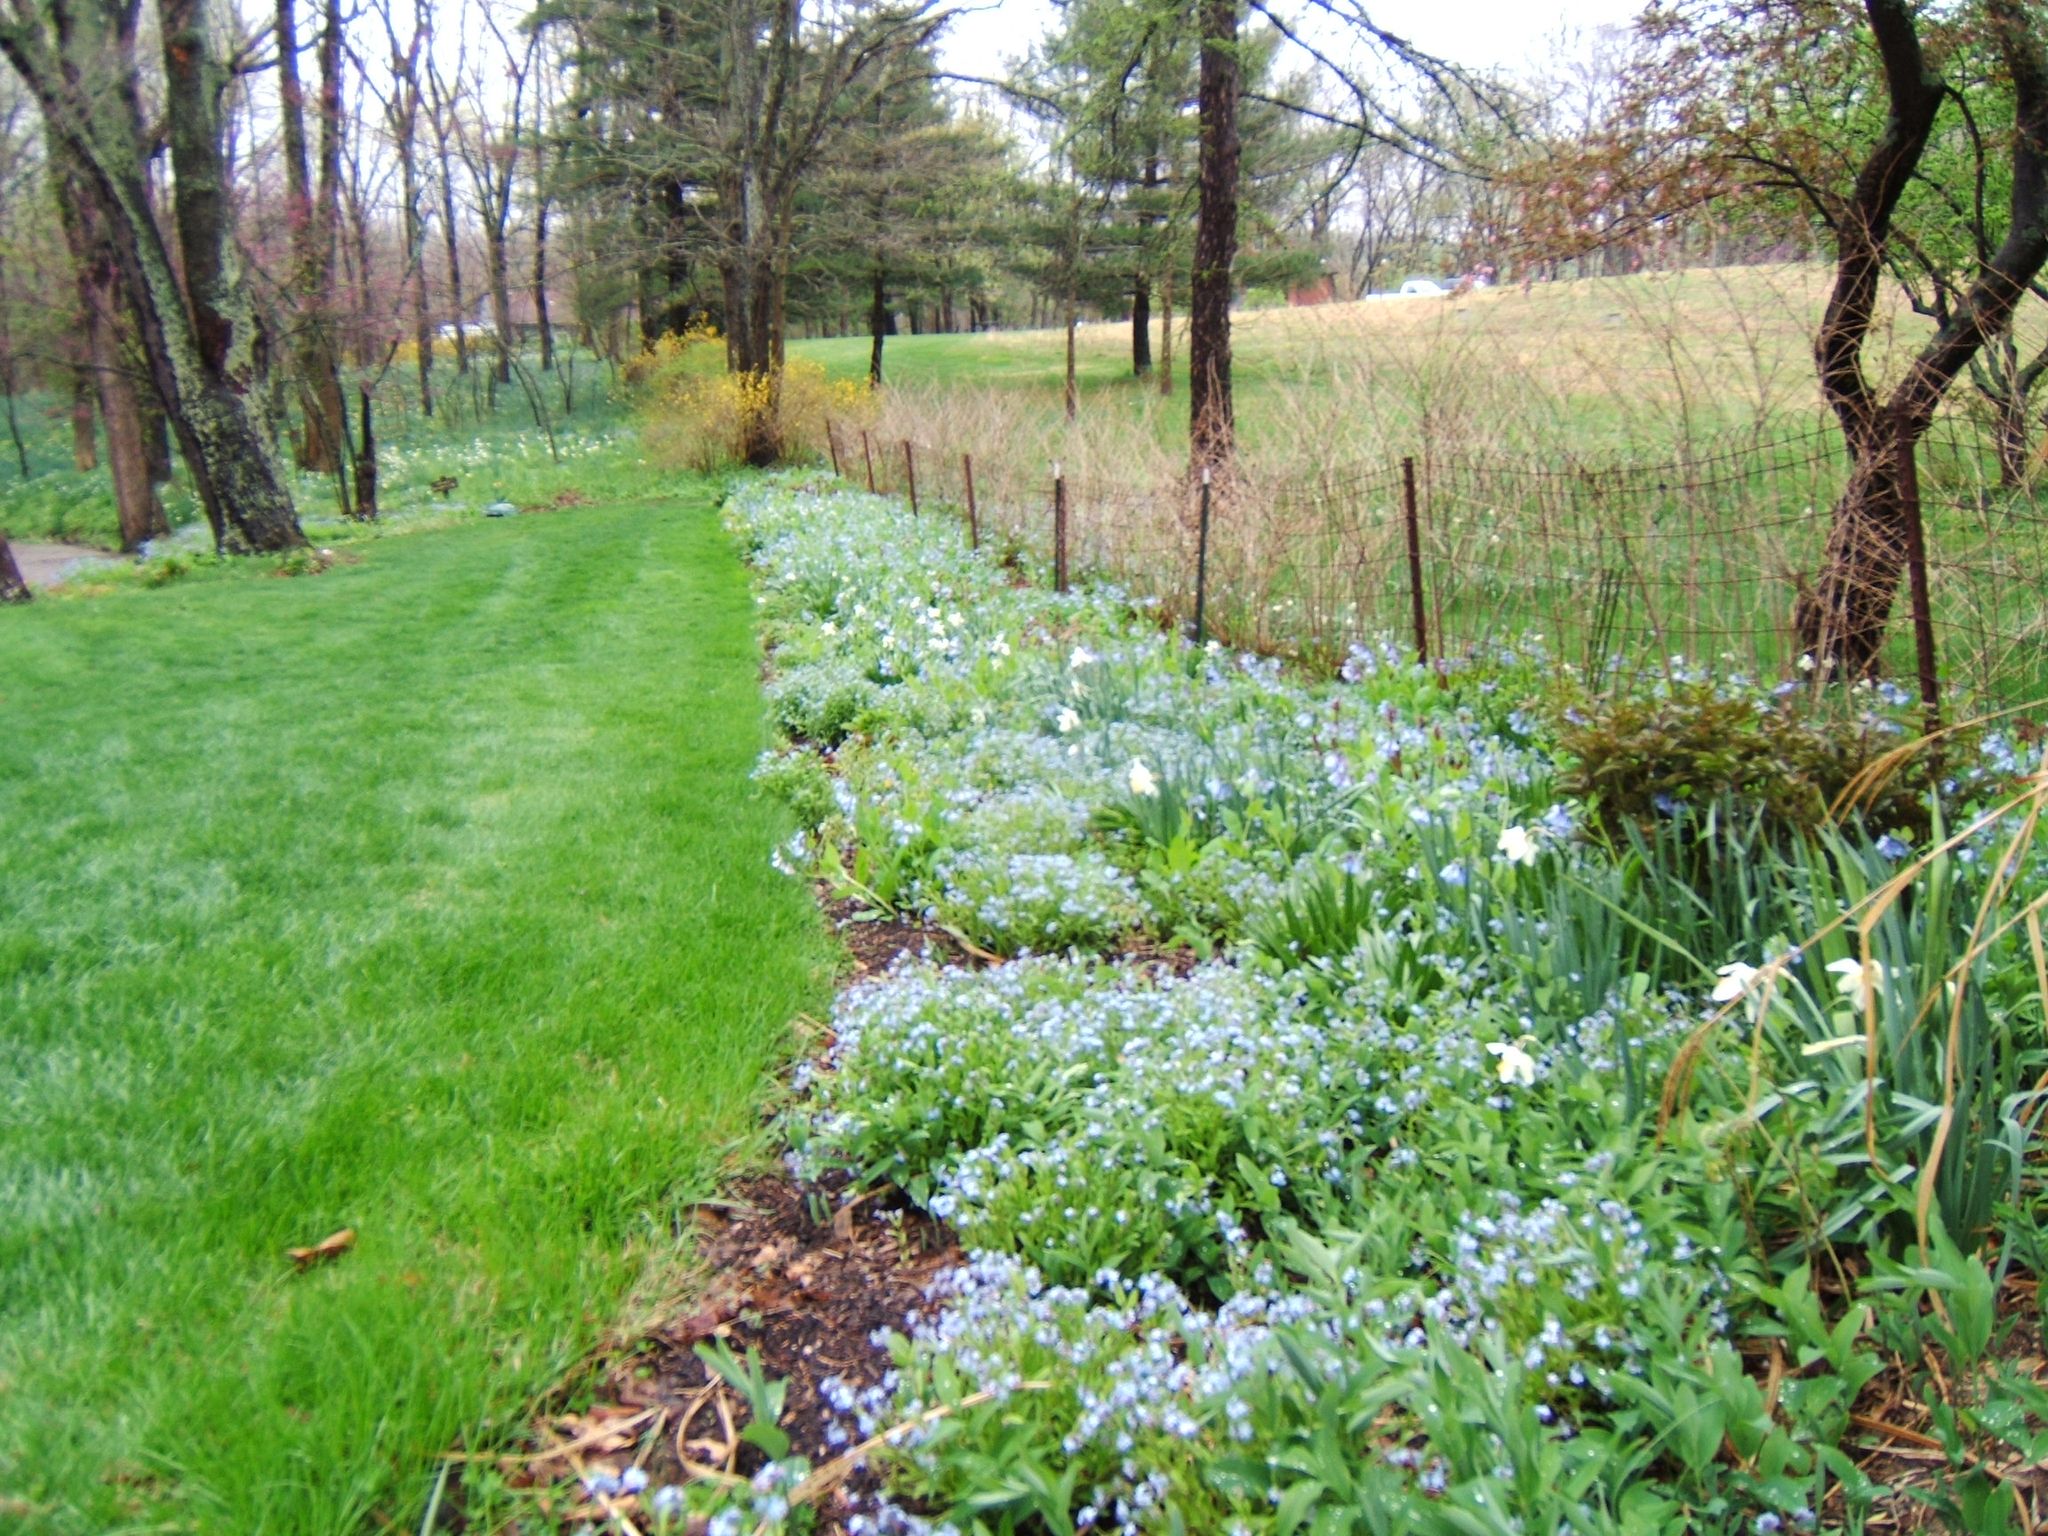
1424, 288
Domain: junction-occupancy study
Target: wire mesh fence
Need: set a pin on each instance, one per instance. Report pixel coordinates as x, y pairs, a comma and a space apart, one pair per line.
1606, 560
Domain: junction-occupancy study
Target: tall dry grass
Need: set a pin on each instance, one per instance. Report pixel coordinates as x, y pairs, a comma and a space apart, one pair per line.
1638, 465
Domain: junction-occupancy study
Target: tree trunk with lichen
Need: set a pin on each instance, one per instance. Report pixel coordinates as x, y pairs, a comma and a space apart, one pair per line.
79, 65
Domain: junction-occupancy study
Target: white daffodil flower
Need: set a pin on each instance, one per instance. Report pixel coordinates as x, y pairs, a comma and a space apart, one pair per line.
1857, 981
1517, 846
828, 629
1069, 721
1516, 1065
1142, 782
1735, 980
1082, 657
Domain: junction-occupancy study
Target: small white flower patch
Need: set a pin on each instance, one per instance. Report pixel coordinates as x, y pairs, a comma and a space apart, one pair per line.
1516, 1065
1857, 980
1143, 784
1518, 846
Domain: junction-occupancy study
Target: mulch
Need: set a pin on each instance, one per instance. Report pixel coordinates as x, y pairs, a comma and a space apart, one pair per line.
805, 1278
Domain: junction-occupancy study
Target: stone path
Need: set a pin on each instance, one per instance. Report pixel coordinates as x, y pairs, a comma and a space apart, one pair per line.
44, 565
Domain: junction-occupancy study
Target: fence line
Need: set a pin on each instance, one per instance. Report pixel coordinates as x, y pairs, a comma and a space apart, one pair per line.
1602, 557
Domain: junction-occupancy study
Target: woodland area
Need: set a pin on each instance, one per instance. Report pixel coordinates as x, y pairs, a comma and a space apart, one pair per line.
257, 220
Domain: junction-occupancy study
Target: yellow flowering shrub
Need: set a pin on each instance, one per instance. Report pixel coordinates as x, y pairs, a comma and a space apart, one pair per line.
695, 415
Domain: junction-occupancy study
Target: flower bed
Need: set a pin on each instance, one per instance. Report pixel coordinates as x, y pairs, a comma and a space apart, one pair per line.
1489, 1169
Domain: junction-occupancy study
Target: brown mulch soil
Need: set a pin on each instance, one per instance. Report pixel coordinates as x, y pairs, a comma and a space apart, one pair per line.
804, 1294
1894, 1438
875, 944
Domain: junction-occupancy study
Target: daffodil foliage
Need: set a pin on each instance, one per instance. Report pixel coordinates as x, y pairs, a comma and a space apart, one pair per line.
1455, 1178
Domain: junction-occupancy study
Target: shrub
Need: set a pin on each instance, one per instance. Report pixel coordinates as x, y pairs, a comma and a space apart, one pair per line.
1643, 760
698, 416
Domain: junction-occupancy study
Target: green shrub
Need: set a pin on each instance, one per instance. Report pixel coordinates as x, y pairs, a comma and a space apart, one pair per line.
1643, 761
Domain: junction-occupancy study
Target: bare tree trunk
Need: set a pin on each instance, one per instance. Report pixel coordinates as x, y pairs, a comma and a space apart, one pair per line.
318, 446
1073, 389
441, 107
1212, 423
1141, 326
12, 588
501, 296
878, 328
1166, 333
1841, 619
202, 374
366, 460
85, 448
416, 277
103, 310
541, 320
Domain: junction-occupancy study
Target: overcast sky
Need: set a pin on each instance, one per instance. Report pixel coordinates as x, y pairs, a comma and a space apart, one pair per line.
1483, 34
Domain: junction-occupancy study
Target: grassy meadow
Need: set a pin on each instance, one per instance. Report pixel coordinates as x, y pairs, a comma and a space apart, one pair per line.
427, 897
1635, 464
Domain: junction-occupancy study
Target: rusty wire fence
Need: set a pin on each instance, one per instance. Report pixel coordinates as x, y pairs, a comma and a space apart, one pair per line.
1612, 561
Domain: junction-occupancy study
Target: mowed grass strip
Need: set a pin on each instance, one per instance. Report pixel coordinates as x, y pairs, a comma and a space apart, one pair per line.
428, 897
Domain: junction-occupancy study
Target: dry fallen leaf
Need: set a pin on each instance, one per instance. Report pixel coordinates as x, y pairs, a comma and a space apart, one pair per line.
330, 1247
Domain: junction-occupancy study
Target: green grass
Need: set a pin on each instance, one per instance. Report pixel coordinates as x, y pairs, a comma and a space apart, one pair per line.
428, 897
493, 442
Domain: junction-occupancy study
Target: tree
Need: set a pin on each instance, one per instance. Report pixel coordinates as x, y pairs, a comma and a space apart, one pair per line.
313, 218
730, 109
1212, 419
904, 208
490, 152
401, 109
77, 60
1846, 111
103, 309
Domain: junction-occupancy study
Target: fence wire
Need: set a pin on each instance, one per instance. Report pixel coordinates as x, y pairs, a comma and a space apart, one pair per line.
1599, 559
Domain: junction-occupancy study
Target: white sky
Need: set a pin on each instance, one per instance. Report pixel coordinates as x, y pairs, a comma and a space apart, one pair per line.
1482, 34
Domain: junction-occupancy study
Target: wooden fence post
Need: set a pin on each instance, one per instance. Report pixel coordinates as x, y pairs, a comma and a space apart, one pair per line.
1059, 530
1412, 516
973, 518
832, 443
910, 474
867, 452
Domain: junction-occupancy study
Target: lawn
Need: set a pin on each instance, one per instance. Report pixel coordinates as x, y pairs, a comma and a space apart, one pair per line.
427, 897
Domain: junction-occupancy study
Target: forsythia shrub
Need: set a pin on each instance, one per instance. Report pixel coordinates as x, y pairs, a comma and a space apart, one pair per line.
698, 416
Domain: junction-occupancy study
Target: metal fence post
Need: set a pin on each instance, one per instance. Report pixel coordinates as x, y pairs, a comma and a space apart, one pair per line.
973, 518
1059, 530
1412, 515
1916, 575
910, 474
1202, 566
867, 452
832, 443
